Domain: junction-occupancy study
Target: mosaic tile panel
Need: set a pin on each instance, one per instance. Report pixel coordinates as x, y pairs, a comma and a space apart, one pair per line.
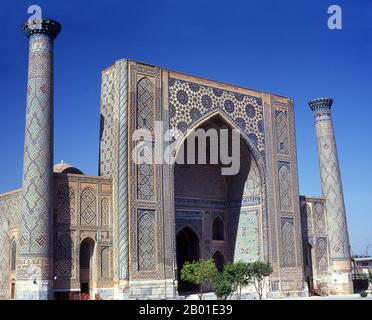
285, 190
105, 212
288, 245
64, 261
112, 88
145, 102
4, 258
105, 263
189, 102
108, 123
123, 170
65, 205
308, 220
146, 240
319, 218
38, 151
247, 246
145, 120
321, 253
281, 130
153, 178
88, 211
331, 182
252, 186
10, 210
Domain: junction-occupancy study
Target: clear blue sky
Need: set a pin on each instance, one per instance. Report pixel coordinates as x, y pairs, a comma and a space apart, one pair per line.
278, 46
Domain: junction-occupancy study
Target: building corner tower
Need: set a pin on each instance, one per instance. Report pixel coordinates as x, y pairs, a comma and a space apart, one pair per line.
34, 264
340, 258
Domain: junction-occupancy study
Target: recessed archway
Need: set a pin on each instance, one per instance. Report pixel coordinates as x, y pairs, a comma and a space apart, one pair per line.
13, 259
187, 249
219, 261
86, 255
218, 229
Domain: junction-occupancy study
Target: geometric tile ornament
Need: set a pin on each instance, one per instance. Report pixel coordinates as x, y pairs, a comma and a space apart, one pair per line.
109, 147
105, 212
319, 218
88, 207
321, 254
122, 75
281, 124
308, 222
288, 248
252, 186
331, 178
4, 257
146, 182
188, 102
247, 245
105, 263
65, 205
285, 190
145, 120
10, 209
38, 150
64, 262
146, 240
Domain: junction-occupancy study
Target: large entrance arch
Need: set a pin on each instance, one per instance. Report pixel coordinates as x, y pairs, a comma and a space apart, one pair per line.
225, 211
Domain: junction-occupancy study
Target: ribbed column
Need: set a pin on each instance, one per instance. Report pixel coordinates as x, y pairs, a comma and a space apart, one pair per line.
333, 193
34, 266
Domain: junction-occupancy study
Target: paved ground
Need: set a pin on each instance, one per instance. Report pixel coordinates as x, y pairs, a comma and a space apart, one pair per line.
339, 297
210, 296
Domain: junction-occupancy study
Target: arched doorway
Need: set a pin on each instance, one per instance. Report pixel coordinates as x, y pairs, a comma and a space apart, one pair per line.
187, 244
218, 228
308, 267
13, 259
86, 254
219, 261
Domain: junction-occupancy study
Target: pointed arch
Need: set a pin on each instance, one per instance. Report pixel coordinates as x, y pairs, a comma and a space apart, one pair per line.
230, 123
87, 246
258, 162
86, 255
13, 255
187, 249
218, 229
219, 261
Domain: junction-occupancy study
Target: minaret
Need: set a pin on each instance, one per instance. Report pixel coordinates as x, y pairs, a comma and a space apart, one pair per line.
340, 257
34, 265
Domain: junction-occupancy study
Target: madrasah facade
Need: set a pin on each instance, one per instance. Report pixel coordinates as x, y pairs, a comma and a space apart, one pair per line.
126, 232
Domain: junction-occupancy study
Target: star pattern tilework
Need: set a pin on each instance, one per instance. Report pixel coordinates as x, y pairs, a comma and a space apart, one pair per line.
189, 102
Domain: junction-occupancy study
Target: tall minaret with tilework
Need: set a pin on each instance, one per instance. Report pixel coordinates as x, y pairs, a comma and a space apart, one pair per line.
340, 277
34, 264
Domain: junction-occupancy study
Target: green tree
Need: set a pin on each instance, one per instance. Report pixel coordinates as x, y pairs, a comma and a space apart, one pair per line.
370, 277
240, 275
200, 273
260, 270
222, 286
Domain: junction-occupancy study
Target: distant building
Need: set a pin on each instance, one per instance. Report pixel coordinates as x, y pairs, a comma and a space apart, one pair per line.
361, 266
